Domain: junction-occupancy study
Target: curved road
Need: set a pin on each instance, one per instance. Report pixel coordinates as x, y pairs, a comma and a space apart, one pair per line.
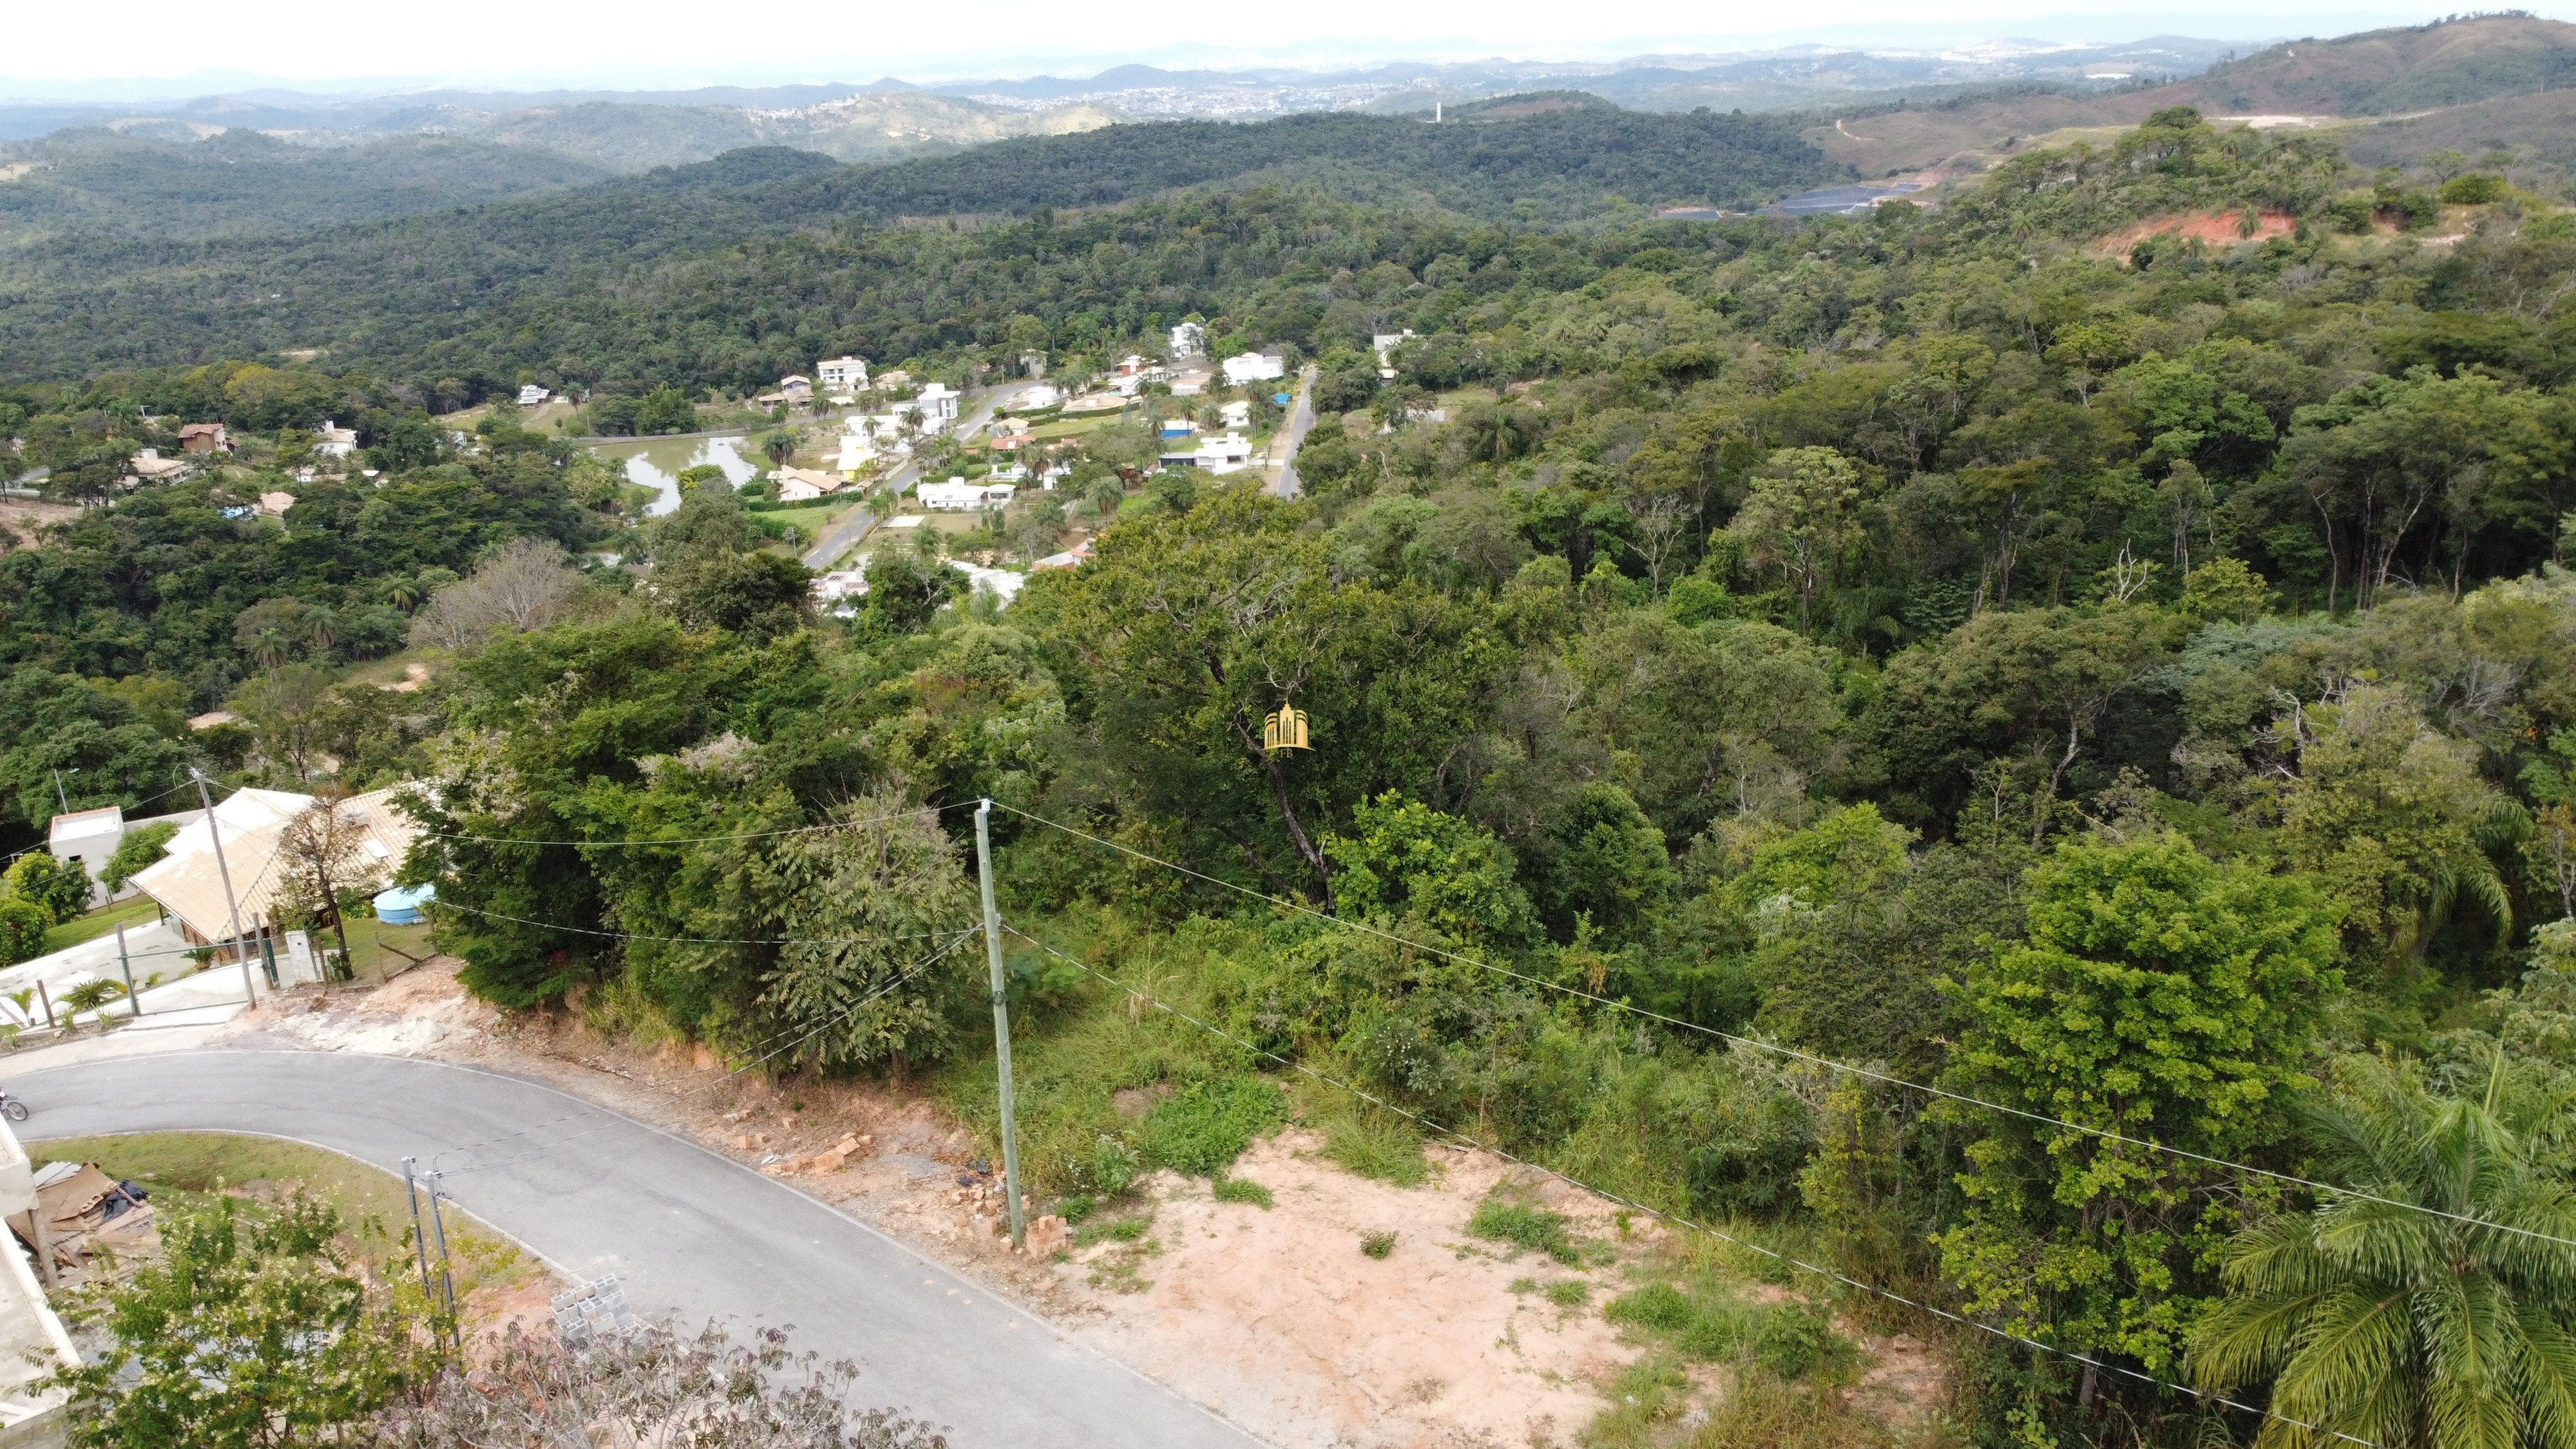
689, 1233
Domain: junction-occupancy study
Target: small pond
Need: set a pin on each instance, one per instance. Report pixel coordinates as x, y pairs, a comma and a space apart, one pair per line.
657, 463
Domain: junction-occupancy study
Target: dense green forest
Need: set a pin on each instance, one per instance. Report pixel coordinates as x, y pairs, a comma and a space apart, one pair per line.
2131, 684
809, 254
92, 183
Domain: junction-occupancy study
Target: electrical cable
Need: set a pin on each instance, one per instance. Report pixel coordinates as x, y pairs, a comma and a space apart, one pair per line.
703, 839
1757, 1044
698, 940
958, 938
1679, 1221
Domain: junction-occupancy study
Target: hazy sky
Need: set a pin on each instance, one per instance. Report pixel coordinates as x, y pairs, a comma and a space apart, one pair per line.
69, 49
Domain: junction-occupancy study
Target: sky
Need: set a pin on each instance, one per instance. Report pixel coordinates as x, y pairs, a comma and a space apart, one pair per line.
89, 51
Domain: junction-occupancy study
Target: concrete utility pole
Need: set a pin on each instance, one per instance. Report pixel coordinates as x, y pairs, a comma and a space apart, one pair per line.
1001, 1023
214, 832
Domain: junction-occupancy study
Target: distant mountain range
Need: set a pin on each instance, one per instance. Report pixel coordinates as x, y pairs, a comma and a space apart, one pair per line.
635, 130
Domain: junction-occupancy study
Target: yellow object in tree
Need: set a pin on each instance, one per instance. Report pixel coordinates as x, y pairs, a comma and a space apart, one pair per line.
1285, 730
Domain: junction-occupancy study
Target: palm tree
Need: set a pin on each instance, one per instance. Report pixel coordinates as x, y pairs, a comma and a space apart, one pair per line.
2396, 1326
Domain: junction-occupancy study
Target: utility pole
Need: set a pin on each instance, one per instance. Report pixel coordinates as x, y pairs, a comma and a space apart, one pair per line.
446, 1278
59, 797
419, 1237
1001, 1023
133, 1002
215, 832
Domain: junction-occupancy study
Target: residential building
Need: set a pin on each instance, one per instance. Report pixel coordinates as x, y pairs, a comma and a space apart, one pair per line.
795, 390
532, 396
149, 466
1228, 454
1073, 557
332, 441
1178, 428
189, 884
842, 374
1386, 343
858, 454
90, 837
1011, 473
204, 438
937, 405
1192, 381
1248, 367
803, 485
1033, 364
1189, 339
959, 496
1037, 398
1238, 414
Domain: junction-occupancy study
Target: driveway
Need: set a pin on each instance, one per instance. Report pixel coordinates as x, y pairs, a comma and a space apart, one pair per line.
1301, 420
692, 1235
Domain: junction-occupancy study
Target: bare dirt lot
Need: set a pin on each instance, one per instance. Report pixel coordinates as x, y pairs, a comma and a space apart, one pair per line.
1272, 1315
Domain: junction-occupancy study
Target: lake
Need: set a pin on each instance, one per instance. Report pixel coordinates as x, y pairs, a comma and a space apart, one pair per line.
657, 462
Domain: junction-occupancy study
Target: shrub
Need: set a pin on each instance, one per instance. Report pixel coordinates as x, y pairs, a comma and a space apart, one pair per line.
22, 930
1377, 1245
2475, 188
1207, 1125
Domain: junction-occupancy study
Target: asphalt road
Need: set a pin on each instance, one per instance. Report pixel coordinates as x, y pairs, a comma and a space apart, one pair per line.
854, 529
692, 1235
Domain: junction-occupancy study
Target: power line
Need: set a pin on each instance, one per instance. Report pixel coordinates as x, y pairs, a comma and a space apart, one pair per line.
909, 973
1772, 1253
700, 940
1811, 1058
701, 839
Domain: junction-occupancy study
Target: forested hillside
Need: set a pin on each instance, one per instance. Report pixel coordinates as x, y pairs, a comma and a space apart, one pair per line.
86, 188
1992, 749
424, 297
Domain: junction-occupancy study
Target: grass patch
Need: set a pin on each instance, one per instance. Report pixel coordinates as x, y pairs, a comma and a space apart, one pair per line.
132, 914
1508, 1219
1202, 1129
1242, 1189
1111, 1230
1790, 1340
184, 1171
1377, 1147
1568, 1292
1377, 1245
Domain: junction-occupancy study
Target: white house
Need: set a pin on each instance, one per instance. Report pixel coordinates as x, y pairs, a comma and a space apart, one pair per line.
858, 454
842, 374
533, 396
1238, 414
803, 485
937, 405
959, 496
149, 466
1229, 454
1044, 395
333, 441
90, 837
1189, 339
1386, 343
1246, 367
